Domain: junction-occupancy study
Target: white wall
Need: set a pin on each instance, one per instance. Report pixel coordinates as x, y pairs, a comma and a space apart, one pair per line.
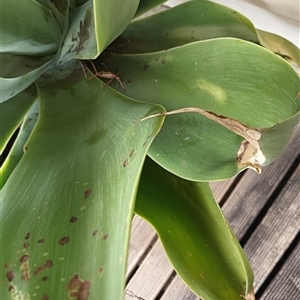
277, 16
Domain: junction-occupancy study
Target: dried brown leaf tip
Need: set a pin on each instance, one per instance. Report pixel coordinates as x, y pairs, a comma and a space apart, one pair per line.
249, 154
250, 296
78, 288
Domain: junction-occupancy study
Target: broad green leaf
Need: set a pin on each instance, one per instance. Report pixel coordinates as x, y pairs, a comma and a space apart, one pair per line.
279, 134
94, 25
17, 151
19, 72
65, 228
231, 78
279, 45
146, 5
12, 113
186, 23
28, 28
196, 236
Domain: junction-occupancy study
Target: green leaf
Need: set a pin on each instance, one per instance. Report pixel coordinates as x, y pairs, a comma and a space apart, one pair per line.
196, 236
94, 25
19, 72
28, 28
65, 229
231, 78
186, 23
12, 113
279, 45
146, 5
17, 151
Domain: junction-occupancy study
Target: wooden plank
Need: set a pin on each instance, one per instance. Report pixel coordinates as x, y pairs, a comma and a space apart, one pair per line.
286, 284
142, 235
151, 276
177, 290
276, 231
253, 190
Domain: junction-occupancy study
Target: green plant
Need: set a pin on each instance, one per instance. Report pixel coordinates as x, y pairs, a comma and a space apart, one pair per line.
72, 179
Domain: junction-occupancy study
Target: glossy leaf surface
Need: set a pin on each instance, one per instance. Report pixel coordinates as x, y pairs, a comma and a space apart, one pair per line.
16, 152
186, 23
229, 77
195, 235
76, 186
146, 5
28, 28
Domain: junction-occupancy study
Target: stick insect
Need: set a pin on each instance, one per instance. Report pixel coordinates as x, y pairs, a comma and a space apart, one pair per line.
103, 74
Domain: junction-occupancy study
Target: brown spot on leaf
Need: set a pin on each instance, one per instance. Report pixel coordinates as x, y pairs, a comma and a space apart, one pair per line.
87, 193
100, 270
10, 288
95, 232
106, 236
41, 241
27, 236
45, 297
25, 267
24, 258
145, 67
84, 291
25, 277
6, 265
45, 278
26, 245
64, 240
131, 153
73, 294
163, 61
84, 32
10, 275
74, 282
125, 163
73, 219
47, 265
79, 288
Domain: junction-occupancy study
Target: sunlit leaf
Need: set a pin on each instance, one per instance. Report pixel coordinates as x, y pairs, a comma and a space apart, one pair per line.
186, 23
195, 235
65, 228
228, 77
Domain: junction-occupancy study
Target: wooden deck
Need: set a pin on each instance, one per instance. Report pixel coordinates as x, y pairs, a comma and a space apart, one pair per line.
264, 212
